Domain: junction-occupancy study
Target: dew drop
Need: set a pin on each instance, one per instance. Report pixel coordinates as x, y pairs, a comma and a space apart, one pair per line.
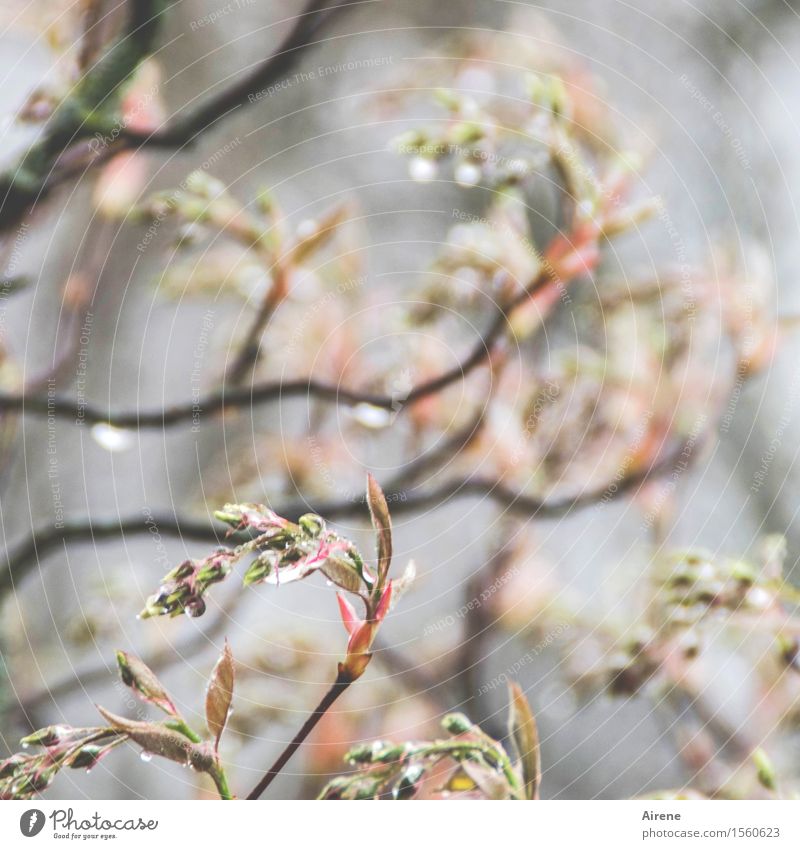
468, 174
112, 438
422, 169
146, 756
25, 745
371, 416
307, 228
759, 598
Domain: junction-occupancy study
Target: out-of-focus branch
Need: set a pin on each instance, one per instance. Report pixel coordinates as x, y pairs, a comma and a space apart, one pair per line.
437, 457
91, 39
311, 21
90, 107
62, 152
165, 656
262, 393
23, 558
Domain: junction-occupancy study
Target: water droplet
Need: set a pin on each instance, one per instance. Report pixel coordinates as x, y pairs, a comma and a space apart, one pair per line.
468, 174
759, 598
112, 438
422, 169
25, 745
307, 228
371, 416
146, 756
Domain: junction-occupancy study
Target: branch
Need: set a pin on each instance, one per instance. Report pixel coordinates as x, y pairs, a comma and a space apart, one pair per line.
338, 687
89, 107
262, 393
22, 558
308, 25
439, 456
63, 152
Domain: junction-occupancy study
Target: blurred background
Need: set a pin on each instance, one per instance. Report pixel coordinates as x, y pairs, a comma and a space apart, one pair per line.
126, 315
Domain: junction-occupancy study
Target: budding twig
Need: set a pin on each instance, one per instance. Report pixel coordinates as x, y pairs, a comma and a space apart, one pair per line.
338, 687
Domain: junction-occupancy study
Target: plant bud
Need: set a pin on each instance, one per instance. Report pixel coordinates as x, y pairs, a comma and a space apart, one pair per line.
766, 772
312, 524
456, 723
409, 782
10, 765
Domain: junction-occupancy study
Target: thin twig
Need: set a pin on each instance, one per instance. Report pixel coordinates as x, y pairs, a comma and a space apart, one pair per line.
308, 25
338, 687
262, 393
23, 557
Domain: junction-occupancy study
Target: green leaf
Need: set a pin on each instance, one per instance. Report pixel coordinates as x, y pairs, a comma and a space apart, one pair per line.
382, 522
220, 695
259, 570
523, 731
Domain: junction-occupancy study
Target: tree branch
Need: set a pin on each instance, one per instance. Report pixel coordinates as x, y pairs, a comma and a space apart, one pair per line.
23, 557
308, 25
88, 108
262, 393
338, 687
63, 152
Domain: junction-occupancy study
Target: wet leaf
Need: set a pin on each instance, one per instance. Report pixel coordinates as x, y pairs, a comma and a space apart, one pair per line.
159, 740
143, 681
220, 694
522, 727
382, 522
342, 573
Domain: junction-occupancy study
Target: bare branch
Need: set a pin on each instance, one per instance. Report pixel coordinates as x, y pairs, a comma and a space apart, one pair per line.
22, 558
270, 391
308, 25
